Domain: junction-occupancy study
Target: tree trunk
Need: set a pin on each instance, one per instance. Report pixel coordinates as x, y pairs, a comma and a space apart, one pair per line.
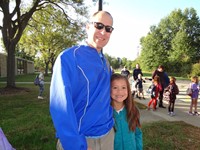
11, 66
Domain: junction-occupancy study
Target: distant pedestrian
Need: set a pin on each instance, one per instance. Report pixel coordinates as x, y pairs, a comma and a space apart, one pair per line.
128, 133
194, 96
170, 93
41, 84
139, 86
136, 72
155, 91
125, 72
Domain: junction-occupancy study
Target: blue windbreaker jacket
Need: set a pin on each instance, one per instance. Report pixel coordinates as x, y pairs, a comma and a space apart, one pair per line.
80, 97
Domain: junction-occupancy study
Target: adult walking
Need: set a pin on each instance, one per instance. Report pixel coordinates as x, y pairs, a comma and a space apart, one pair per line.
136, 72
80, 91
41, 84
164, 81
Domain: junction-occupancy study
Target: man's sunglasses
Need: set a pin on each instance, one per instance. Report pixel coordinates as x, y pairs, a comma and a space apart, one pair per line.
100, 26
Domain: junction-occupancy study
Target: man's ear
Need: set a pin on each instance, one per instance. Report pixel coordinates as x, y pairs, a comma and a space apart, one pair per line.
87, 26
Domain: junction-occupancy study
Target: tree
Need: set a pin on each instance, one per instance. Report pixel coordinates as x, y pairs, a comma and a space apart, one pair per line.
16, 18
51, 35
174, 42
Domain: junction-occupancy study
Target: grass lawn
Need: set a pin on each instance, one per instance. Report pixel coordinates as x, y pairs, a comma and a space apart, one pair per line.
27, 124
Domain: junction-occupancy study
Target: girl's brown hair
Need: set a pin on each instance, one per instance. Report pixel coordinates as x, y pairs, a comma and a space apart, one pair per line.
133, 116
195, 79
172, 79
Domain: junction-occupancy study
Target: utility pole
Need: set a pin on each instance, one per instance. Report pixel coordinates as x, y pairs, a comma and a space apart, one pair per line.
100, 5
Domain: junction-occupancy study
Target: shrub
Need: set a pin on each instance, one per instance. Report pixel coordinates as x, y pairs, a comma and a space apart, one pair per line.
195, 70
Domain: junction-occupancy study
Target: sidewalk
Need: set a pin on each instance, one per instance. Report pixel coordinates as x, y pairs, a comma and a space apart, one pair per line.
181, 108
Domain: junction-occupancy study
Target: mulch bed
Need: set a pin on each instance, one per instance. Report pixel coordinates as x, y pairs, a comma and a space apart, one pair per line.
13, 90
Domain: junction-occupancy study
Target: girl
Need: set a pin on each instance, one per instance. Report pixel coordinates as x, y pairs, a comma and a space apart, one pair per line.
194, 96
170, 93
139, 86
155, 90
128, 133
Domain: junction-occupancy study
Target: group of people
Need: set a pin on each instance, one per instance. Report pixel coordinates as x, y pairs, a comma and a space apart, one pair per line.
165, 87
91, 107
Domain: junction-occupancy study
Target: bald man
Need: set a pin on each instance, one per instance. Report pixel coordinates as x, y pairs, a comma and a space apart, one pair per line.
80, 91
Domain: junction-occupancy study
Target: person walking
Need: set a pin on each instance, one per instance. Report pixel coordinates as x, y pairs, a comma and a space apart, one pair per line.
194, 95
128, 133
125, 72
136, 72
164, 81
80, 91
41, 84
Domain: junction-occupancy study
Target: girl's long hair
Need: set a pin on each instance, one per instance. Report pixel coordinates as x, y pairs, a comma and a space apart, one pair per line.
133, 116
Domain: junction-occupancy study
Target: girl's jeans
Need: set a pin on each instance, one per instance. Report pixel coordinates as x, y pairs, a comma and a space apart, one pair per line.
41, 86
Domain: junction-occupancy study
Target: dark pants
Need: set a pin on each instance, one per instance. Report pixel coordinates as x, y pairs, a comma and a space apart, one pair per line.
161, 98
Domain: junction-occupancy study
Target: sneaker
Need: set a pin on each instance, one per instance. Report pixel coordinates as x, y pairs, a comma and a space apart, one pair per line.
148, 108
172, 114
190, 113
169, 113
196, 113
40, 97
143, 98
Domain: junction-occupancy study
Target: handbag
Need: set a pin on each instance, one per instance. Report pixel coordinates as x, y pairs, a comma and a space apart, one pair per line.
189, 91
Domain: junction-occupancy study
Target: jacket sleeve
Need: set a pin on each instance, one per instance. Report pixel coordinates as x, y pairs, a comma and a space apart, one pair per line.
138, 139
62, 110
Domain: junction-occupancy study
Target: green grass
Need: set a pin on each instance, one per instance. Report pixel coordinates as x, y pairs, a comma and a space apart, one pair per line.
27, 124
26, 120
27, 78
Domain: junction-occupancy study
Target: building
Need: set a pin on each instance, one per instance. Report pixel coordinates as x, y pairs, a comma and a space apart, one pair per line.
22, 66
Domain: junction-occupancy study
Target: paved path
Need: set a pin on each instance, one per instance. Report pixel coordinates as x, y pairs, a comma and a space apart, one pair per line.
181, 108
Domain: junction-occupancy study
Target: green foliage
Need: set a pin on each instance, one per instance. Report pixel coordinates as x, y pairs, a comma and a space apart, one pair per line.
195, 70
174, 43
49, 33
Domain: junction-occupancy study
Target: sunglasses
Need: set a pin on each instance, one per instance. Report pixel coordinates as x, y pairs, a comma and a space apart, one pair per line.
100, 26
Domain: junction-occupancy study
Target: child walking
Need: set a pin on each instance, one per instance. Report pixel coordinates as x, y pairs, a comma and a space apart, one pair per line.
139, 86
194, 96
155, 90
128, 133
170, 93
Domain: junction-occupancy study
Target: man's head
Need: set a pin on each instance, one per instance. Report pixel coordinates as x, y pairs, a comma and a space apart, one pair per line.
161, 68
137, 66
99, 29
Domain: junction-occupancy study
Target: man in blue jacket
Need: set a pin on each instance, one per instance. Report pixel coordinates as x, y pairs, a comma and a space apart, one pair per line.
80, 91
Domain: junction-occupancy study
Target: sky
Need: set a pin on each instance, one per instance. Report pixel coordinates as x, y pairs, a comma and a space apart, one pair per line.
132, 20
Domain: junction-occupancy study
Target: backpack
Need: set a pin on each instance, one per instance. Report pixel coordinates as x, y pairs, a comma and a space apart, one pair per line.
167, 93
170, 92
37, 80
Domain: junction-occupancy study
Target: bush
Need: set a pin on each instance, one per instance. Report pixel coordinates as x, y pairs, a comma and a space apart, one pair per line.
195, 70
